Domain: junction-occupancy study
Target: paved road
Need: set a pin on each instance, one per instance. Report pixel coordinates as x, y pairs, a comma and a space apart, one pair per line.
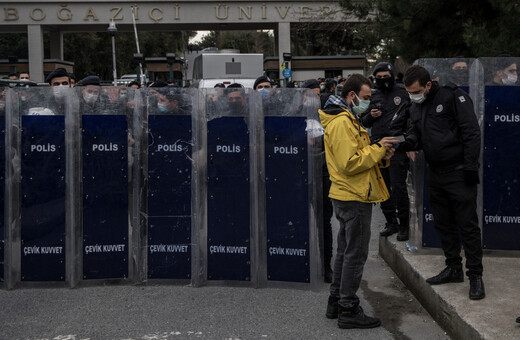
182, 312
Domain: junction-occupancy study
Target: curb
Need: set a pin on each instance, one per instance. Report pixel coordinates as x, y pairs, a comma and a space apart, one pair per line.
442, 311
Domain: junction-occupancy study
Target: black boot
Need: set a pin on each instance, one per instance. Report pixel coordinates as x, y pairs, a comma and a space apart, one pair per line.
447, 275
476, 287
356, 318
391, 226
332, 308
404, 229
518, 319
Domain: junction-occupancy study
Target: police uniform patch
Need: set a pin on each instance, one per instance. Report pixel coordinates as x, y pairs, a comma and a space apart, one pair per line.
439, 108
462, 99
397, 100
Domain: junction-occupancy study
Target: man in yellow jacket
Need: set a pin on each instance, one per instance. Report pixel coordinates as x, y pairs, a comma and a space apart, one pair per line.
353, 162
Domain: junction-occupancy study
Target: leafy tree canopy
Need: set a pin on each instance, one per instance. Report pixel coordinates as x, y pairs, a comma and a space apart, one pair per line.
415, 29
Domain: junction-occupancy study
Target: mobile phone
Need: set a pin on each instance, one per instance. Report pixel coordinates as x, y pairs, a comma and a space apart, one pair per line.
400, 139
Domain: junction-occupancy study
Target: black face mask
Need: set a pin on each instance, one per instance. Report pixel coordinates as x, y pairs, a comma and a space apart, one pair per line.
384, 84
459, 77
235, 107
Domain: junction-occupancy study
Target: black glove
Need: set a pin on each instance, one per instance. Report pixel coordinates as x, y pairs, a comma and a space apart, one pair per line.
471, 177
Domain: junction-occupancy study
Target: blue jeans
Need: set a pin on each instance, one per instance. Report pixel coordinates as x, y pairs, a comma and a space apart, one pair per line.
353, 239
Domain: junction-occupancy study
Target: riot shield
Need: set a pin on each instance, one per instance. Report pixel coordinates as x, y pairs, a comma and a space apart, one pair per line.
105, 142
43, 182
170, 140
500, 91
228, 204
292, 137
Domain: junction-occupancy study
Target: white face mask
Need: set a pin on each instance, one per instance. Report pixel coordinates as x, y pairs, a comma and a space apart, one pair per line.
90, 98
60, 91
417, 98
2, 105
510, 80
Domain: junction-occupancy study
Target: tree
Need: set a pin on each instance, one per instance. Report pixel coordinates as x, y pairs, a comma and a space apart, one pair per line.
92, 51
415, 29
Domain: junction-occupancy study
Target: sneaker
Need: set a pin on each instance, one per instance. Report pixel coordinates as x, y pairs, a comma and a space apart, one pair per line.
518, 319
476, 287
447, 275
356, 318
390, 228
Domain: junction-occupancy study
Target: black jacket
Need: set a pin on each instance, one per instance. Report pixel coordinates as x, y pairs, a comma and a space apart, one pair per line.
445, 127
390, 102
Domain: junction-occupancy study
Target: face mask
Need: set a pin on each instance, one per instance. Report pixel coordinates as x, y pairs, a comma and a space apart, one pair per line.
264, 93
384, 84
510, 80
460, 76
2, 105
417, 98
362, 106
90, 98
235, 107
322, 88
122, 95
59, 91
162, 108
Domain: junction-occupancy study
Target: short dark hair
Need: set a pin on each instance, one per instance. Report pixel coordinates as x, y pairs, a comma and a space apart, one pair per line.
354, 83
416, 73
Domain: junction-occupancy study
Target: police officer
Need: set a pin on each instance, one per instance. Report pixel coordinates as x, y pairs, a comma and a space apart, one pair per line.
444, 126
387, 99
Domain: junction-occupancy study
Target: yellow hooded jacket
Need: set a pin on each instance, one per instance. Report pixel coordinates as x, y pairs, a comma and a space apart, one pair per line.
353, 163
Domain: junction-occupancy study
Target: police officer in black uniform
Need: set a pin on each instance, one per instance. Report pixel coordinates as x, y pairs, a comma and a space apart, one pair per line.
387, 99
445, 127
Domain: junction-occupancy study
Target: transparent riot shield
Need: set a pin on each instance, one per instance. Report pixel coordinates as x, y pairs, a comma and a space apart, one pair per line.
500, 112
3, 93
42, 153
227, 140
106, 143
170, 139
457, 71
292, 137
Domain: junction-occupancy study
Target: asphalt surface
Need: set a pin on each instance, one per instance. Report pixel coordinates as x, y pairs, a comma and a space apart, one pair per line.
183, 312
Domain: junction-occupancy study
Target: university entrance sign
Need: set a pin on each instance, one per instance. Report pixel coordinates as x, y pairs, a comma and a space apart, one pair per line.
35, 17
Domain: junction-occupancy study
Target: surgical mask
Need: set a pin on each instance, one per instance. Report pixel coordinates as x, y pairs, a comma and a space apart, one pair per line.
90, 98
510, 80
60, 91
122, 95
362, 106
322, 88
417, 98
162, 107
264, 93
2, 105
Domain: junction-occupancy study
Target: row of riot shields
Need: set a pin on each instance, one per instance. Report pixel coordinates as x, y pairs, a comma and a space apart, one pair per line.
493, 85
201, 186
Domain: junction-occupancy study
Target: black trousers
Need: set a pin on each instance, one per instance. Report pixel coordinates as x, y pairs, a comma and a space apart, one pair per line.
395, 179
454, 208
327, 226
